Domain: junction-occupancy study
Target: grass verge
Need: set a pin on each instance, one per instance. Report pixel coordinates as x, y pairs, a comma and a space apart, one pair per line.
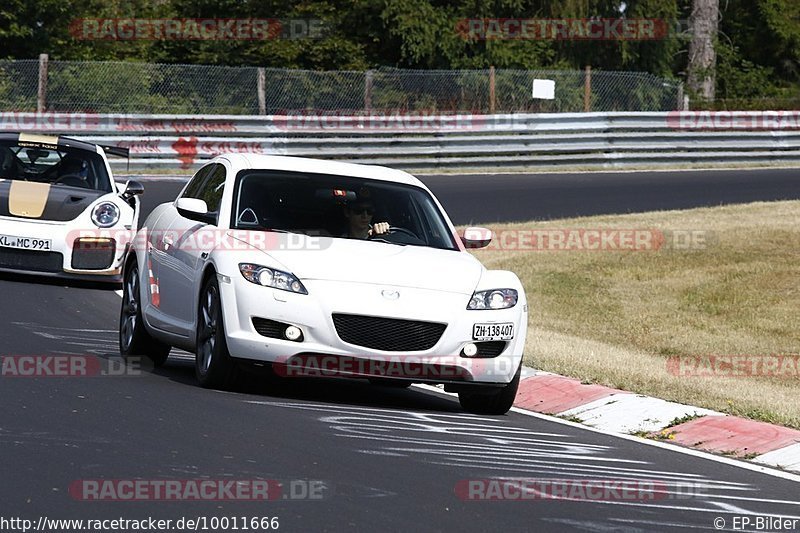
621, 318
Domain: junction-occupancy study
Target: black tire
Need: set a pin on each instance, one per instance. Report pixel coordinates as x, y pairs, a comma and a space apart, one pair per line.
134, 339
213, 364
494, 402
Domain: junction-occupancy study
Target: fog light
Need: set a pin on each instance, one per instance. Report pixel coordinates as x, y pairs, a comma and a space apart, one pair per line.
293, 333
470, 350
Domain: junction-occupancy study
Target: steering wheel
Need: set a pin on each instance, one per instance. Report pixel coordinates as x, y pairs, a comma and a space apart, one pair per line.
72, 180
393, 230
397, 229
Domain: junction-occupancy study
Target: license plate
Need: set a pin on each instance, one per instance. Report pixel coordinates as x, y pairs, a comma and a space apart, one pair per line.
24, 243
493, 332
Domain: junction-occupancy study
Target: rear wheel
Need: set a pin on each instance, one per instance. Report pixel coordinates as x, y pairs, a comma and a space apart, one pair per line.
492, 402
134, 340
213, 364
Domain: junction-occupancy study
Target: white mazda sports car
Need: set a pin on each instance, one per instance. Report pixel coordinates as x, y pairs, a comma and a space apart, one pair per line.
61, 213
321, 268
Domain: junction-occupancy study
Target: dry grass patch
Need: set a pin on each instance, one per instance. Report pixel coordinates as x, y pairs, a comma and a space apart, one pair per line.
615, 317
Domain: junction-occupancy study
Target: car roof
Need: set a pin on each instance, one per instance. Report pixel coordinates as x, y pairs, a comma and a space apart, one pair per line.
321, 166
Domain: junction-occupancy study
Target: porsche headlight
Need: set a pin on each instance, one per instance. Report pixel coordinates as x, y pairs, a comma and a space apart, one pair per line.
493, 299
270, 277
105, 215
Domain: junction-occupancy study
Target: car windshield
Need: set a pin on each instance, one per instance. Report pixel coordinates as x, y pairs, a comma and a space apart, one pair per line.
67, 167
325, 205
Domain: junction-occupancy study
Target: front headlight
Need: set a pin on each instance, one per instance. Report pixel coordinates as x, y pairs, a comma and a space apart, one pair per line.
270, 277
493, 299
105, 215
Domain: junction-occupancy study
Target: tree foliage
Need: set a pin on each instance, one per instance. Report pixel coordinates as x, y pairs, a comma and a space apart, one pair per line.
758, 45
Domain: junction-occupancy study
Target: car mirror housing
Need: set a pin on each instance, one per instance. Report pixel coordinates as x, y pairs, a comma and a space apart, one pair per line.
134, 188
195, 209
476, 237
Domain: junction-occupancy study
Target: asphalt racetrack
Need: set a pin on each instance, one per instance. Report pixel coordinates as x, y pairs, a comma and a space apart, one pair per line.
350, 456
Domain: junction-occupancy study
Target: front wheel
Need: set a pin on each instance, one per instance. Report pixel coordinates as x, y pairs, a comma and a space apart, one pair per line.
134, 340
495, 402
213, 365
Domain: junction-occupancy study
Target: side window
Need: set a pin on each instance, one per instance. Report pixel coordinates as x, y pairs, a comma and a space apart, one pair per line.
208, 185
213, 188
196, 183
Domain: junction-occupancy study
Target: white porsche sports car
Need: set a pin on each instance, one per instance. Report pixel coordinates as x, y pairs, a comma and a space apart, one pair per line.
61, 213
322, 268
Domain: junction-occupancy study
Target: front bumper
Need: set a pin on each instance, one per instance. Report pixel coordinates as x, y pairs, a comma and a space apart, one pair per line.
75, 253
322, 352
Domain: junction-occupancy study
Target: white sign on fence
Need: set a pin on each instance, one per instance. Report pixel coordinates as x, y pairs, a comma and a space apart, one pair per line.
544, 89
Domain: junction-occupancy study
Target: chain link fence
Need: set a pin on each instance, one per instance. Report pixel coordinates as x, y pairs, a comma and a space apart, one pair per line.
125, 87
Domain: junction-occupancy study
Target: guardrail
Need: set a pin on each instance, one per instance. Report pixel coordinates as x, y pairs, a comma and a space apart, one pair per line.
416, 141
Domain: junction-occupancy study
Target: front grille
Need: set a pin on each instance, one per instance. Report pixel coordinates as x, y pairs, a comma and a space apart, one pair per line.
91, 254
31, 260
387, 334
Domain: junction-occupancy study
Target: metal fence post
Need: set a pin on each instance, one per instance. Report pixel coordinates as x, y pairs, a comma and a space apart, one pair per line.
368, 78
261, 82
41, 97
492, 101
587, 90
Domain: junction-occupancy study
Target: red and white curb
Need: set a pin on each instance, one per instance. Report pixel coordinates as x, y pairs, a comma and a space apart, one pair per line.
617, 411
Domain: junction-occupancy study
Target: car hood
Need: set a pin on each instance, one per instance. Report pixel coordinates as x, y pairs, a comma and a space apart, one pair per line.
374, 262
44, 201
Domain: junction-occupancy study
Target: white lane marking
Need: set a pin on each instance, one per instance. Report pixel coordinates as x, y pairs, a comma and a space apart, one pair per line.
118, 293
420, 439
32, 325
733, 509
682, 508
665, 446
582, 469
637, 522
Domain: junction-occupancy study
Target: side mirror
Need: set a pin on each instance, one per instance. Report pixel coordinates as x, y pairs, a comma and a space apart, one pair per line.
195, 209
134, 188
474, 237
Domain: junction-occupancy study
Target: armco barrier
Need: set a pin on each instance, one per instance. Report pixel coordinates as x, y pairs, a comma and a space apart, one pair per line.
416, 141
